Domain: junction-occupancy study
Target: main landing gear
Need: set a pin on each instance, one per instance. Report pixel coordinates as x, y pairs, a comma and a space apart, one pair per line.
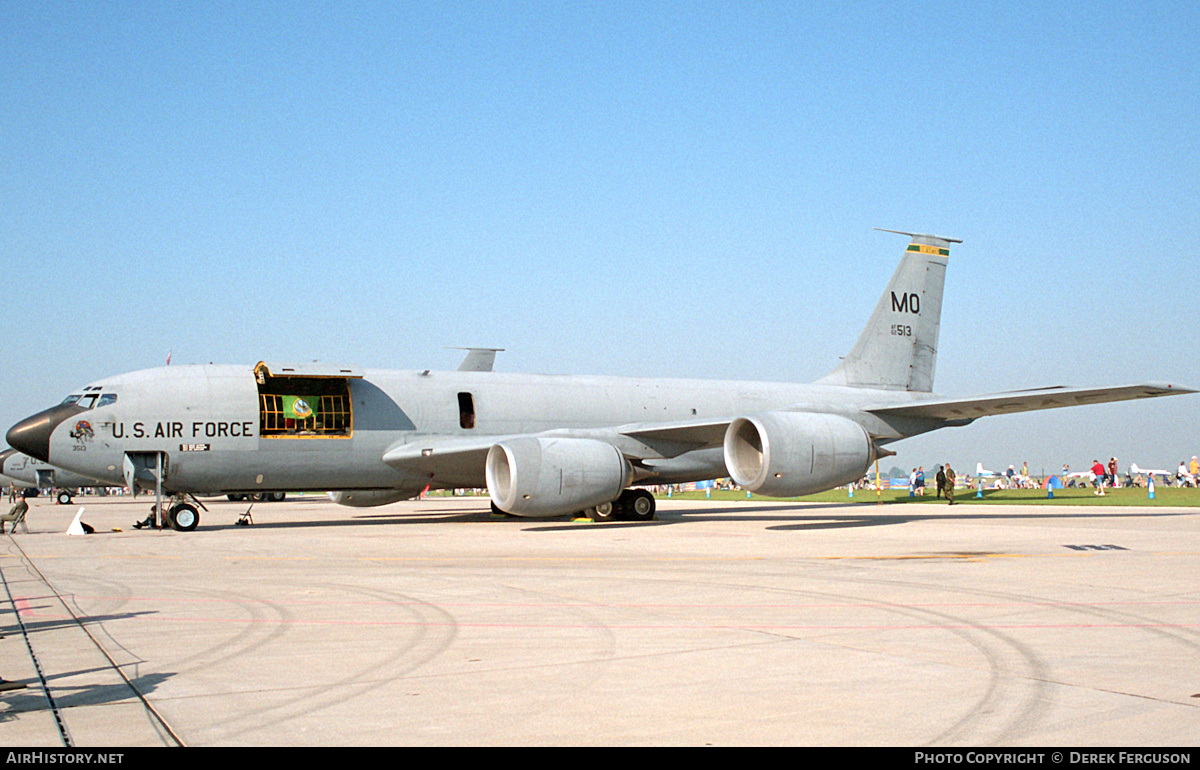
258, 497
632, 505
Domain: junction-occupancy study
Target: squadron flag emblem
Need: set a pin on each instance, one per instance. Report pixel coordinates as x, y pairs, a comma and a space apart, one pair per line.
297, 407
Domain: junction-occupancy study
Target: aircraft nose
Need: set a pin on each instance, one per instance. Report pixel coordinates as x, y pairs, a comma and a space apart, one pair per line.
32, 435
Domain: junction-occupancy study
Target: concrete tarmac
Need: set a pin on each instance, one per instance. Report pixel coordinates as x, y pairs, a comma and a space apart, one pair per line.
750, 623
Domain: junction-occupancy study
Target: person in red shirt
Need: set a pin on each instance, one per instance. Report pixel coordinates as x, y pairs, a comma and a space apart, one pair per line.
1098, 469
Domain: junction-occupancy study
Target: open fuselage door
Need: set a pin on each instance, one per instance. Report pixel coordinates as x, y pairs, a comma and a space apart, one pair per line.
305, 400
146, 471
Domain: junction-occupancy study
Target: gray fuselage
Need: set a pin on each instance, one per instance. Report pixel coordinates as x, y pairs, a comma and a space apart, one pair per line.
206, 419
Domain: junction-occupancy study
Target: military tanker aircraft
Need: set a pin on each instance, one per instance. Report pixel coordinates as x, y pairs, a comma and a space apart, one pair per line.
28, 472
543, 445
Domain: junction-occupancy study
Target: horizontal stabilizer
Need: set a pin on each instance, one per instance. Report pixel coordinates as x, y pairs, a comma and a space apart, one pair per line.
951, 409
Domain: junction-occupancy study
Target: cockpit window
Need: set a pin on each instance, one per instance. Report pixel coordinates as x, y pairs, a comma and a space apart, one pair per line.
91, 400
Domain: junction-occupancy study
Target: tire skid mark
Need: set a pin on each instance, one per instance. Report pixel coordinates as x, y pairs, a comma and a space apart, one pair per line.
1036, 671
161, 729
429, 632
1016, 692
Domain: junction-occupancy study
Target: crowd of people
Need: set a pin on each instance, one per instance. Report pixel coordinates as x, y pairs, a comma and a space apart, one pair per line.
1189, 473
1100, 476
1107, 476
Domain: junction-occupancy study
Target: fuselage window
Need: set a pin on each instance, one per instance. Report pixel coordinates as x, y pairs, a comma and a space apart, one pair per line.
466, 411
107, 399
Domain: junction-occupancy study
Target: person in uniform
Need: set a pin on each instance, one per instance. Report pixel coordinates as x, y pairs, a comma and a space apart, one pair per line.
15, 514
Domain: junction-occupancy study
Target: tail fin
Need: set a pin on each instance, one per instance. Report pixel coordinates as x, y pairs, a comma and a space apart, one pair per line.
898, 348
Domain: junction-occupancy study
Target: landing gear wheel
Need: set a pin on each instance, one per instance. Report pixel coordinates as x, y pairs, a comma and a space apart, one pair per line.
183, 517
603, 512
639, 505
64, 498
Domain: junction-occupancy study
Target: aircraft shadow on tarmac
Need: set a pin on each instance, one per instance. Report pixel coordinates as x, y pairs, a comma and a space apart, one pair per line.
804, 516
872, 515
33, 698
35, 626
878, 520
369, 520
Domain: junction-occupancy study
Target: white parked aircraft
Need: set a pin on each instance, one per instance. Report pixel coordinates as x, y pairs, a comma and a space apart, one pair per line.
1166, 476
1135, 470
982, 473
542, 445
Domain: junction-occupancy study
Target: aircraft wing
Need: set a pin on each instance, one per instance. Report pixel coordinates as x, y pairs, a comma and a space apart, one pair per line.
674, 438
462, 458
445, 456
439, 455
950, 409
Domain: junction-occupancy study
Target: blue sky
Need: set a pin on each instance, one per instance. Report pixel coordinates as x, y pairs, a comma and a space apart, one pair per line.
612, 188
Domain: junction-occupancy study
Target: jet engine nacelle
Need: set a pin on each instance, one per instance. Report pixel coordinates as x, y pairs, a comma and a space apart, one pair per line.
368, 498
784, 454
544, 477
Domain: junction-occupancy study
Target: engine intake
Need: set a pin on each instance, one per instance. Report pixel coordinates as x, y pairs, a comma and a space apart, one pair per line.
543, 477
784, 454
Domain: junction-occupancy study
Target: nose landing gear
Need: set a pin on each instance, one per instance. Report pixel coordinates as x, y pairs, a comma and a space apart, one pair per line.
181, 516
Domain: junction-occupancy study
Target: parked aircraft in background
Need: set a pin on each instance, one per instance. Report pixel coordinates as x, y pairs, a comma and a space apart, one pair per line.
982, 473
1134, 469
1079, 477
1167, 476
542, 445
30, 472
